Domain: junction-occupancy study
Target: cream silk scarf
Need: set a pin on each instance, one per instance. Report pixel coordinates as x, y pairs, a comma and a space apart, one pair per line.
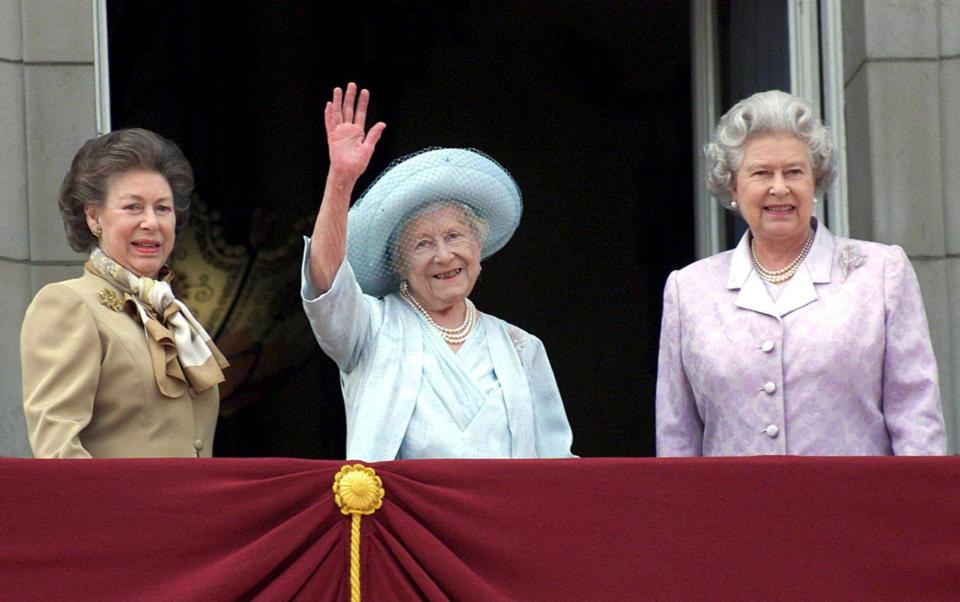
182, 352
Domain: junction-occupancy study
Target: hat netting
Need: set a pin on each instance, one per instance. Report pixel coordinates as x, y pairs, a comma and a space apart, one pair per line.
453, 197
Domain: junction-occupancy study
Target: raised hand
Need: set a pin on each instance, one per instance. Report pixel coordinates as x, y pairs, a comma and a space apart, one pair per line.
350, 151
350, 147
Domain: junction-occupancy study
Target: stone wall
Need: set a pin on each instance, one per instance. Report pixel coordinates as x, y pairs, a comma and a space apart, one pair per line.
47, 110
902, 94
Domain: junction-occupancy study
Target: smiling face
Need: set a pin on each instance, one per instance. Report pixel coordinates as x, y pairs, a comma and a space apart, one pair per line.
138, 221
439, 257
774, 189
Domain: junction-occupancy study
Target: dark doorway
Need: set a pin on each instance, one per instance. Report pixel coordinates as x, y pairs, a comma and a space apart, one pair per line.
587, 103
751, 63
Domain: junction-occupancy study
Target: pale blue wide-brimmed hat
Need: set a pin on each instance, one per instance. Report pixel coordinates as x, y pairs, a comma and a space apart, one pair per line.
464, 175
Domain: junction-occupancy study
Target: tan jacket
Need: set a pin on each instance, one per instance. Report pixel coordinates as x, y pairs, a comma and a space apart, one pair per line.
88, 383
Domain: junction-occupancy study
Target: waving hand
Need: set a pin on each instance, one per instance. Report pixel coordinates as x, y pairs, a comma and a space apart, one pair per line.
345, 118
350, 151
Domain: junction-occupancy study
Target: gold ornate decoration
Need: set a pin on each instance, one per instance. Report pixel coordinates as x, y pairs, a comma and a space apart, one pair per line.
111, 299
246, 295
358, 491
209, 270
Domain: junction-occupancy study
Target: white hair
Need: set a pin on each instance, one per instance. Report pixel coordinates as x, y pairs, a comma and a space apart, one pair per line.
766, 113
479, 228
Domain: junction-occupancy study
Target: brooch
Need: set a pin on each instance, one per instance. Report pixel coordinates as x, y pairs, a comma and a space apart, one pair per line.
850, 259
516, 337
111, 299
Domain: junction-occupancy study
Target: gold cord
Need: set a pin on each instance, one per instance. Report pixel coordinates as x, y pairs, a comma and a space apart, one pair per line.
357, 490
355, 558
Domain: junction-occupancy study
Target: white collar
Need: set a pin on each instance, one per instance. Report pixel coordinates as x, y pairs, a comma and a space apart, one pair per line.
799, 291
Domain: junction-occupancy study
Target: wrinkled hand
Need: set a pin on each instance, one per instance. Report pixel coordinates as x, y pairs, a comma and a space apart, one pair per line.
350, 149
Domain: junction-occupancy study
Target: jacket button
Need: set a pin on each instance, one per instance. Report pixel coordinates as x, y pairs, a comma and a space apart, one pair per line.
772, 431
770, 388
767, 346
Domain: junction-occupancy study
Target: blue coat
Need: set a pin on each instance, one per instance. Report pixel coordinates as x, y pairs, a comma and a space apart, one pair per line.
378, 344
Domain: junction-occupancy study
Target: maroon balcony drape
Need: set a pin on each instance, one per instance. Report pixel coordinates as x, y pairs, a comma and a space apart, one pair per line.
581, 529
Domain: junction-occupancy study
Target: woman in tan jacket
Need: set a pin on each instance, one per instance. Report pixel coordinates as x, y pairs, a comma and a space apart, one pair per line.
113, 364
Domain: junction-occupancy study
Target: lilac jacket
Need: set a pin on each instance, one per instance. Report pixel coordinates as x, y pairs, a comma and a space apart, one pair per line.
835, 366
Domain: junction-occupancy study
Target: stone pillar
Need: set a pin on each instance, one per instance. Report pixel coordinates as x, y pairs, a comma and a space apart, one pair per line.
949, 74
902, 80
47, 110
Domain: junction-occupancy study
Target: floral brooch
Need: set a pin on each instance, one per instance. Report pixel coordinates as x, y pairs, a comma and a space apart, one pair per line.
516, 337
111, 299
850, 259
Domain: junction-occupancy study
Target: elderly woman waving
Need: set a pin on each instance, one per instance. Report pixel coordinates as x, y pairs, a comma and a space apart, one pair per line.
386, 286
797, 341
113, 364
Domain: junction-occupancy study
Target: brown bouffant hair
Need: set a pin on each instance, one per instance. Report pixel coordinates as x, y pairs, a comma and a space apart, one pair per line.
105, 157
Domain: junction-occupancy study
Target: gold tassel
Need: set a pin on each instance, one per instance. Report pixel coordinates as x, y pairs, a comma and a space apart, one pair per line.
357, 490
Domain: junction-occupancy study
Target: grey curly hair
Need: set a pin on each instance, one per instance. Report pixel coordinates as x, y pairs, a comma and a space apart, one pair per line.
764, 113
102, 158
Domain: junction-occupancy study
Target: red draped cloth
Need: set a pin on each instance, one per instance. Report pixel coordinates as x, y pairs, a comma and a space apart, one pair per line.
584, 529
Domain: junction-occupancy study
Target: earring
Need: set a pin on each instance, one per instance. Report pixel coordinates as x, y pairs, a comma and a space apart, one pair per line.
97, 231
815, 200
733, 204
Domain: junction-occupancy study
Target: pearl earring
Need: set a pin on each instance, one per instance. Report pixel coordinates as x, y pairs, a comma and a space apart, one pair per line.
97, 231
815, 200
733, 204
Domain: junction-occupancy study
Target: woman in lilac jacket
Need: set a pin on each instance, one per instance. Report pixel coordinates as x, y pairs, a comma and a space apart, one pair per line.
796, 341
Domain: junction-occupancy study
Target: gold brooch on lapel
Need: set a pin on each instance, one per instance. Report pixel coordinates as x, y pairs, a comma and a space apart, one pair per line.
850, 259
111, 299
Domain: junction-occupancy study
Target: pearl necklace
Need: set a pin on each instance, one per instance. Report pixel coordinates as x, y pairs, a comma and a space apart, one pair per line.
783, 274
453, 336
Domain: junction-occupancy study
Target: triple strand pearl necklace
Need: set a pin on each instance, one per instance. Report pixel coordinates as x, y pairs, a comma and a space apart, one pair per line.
453, 336
784, 274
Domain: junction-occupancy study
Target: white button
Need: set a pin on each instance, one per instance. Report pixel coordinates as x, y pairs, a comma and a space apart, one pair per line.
772, 431
770, 388
198, 444
767, 346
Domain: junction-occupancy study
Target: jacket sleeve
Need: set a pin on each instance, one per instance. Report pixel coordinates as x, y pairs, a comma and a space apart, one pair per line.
679, 427
60, 362
911, 395
553, 434
340, 317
